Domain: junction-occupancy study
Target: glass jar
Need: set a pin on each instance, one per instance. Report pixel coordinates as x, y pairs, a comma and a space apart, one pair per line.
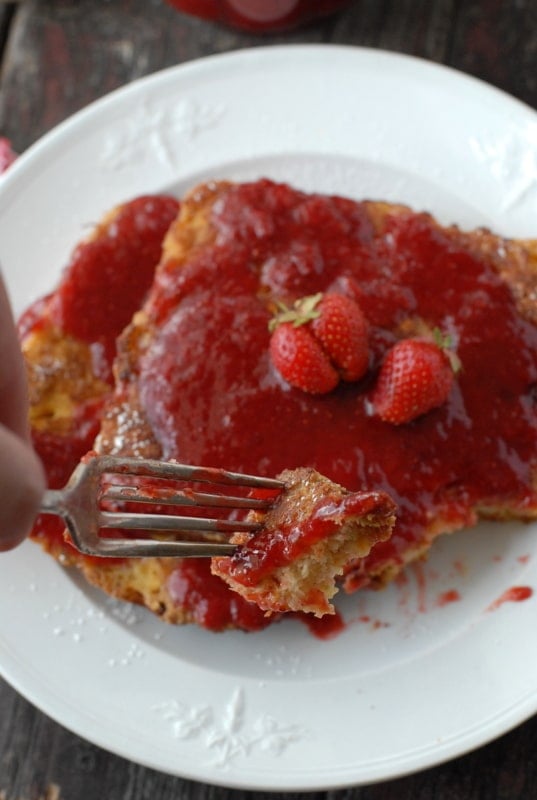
260, 16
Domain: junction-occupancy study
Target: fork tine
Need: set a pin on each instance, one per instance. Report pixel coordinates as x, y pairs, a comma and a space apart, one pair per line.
165, 522
80, 504
125, 548
174, 471
130, 494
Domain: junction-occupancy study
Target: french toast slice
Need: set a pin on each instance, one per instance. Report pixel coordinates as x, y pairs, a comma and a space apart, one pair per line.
193, 379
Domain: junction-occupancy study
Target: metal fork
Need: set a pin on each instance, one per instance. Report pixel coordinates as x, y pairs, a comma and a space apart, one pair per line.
98, 484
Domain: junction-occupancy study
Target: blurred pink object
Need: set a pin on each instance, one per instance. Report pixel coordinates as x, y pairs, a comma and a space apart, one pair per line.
260, 16
7, 154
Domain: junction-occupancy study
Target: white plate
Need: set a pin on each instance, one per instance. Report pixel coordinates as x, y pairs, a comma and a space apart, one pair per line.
412, 680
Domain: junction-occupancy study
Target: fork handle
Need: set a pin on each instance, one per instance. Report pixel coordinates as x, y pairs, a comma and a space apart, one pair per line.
52, 502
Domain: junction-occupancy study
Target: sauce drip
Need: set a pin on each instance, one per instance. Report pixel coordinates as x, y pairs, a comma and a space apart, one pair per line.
327, 627
209, 600
448, 597
515, 594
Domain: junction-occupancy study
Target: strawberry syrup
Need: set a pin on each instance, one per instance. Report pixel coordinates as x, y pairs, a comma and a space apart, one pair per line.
516, 594
209, 360
448, 597
101, 287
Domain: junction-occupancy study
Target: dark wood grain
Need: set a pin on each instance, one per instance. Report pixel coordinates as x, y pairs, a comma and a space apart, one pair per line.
497, 41
6, 13
58, 56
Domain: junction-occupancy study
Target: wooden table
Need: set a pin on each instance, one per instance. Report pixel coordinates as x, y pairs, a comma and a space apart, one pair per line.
58, 56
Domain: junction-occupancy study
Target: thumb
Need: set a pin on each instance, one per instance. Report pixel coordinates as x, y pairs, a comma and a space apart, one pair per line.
22, 484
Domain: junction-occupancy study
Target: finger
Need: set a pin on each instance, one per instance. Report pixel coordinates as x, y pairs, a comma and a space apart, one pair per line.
13, 390
22, 484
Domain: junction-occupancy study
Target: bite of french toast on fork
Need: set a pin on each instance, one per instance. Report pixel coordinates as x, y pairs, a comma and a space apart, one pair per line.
314, 529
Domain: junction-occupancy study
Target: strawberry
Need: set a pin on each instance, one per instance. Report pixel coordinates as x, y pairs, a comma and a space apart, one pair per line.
415, 377
342, 330
301, 360
320, 340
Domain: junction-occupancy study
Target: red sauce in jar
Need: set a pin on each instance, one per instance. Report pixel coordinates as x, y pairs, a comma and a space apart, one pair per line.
260, 16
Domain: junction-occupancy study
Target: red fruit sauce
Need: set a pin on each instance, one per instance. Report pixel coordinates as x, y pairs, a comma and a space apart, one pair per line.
260, 16
213, 398
102, 286
515, 594
448, 597
272, 549
209, 600
327, 627
107, 277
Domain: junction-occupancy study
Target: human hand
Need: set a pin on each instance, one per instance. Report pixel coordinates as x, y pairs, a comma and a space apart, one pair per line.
22, 480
